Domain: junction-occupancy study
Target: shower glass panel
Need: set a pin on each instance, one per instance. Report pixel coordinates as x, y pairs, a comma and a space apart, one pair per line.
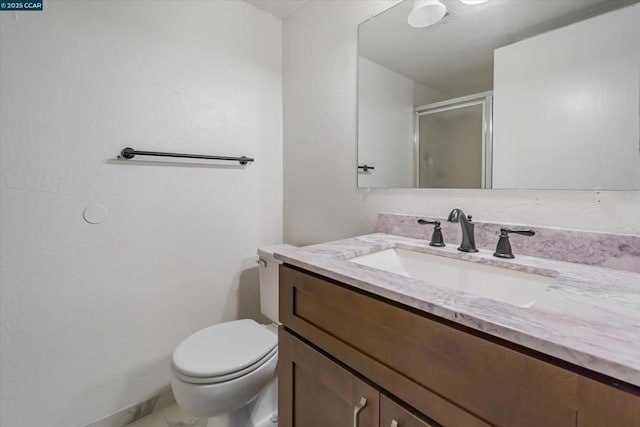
452, 148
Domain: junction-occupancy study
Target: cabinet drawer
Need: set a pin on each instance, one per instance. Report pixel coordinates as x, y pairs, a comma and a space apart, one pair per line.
442, 371
394, 415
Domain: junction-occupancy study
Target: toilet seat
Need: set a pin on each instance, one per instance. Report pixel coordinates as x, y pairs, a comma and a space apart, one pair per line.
228, 377
224, 352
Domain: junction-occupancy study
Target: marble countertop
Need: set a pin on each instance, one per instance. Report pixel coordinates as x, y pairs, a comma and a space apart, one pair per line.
590, 316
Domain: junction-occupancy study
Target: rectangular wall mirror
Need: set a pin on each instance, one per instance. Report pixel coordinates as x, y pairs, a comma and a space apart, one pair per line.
502, 94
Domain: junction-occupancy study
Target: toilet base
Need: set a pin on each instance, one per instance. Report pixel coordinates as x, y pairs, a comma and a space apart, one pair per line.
259, 413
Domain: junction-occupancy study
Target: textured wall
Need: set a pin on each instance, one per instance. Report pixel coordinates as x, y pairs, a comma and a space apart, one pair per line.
321, 199
91, 313
386, 111
588, 93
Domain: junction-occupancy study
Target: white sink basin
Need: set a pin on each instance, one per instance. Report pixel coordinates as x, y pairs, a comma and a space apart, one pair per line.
501, 284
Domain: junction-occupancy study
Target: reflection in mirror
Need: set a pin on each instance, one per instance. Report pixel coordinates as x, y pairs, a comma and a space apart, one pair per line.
527, 94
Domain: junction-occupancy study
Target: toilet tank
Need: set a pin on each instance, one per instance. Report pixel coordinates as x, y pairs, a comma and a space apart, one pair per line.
268, 266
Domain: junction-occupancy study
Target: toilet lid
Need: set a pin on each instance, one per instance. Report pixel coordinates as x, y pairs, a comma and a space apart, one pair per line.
223, 349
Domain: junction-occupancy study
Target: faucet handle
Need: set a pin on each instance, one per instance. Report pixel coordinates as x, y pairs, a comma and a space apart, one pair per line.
503, 249
436, 238
507, 231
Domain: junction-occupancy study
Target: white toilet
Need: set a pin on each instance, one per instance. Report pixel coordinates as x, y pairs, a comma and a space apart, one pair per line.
227, 372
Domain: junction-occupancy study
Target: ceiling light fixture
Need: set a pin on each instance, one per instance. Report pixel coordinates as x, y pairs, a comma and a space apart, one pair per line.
426, 13
474, 1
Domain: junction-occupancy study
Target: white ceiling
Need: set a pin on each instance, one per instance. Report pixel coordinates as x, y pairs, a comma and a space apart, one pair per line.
455, 56
280, 8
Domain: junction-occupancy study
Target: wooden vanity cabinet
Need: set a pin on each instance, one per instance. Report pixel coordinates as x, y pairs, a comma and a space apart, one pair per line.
321, 393
452, 375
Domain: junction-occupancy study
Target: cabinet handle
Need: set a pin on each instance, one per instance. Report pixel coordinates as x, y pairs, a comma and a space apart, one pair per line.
394, 423
357, 409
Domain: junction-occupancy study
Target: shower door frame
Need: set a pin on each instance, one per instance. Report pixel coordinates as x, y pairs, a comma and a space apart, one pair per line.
485, 99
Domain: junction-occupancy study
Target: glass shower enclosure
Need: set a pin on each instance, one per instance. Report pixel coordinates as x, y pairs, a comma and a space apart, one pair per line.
453, 143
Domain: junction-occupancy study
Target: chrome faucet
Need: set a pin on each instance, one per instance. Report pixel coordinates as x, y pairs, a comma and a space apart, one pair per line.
468, 238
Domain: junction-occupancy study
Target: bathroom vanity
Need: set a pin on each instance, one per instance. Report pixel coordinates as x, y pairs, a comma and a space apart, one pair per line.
365, 347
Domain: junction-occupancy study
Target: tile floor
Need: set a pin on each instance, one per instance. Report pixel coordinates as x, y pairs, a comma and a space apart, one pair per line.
170, 416
174, 416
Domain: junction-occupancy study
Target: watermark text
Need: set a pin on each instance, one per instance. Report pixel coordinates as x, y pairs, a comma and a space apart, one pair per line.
14, 6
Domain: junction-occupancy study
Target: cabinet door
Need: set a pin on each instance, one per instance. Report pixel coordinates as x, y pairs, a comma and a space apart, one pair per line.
314, 391
394, 415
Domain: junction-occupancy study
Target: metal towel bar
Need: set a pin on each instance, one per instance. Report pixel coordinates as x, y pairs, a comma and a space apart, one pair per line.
130, 153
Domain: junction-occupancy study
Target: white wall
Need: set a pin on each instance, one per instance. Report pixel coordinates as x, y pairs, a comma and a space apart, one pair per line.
566, 107
423, 95
322, 202
91, 313
385, 128
386, 106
